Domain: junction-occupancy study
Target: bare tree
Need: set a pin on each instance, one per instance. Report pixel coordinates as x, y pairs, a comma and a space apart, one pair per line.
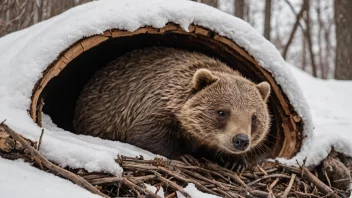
329, 51
304, 53
240, 8
267, 21
19, 14
307, 33
343, 21
323, 65
294, 28
309, 37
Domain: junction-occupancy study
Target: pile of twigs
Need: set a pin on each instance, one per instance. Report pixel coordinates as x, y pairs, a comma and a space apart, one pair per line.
266, 180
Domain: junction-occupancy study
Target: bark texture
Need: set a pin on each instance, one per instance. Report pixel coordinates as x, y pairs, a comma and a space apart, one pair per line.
213, 3
267, 21
239, 8
343, 21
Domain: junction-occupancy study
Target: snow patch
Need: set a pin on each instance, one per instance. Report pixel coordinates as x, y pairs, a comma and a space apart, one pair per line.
19, 179
194, 192
154, 189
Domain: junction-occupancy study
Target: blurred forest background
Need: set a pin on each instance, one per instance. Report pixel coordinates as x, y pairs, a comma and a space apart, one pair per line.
314, 35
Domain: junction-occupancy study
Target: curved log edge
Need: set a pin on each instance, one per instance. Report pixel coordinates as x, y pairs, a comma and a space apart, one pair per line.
292, 124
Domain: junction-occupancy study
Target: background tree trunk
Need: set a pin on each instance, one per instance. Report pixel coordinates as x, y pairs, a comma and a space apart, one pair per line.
304, 53
309, 38
267, 21
322, 63
239, 8
213, 3
343, 21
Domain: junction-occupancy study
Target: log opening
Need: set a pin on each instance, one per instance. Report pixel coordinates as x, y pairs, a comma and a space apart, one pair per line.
63, 80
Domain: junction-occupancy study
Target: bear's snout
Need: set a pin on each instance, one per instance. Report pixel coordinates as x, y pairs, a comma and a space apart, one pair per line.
240, 142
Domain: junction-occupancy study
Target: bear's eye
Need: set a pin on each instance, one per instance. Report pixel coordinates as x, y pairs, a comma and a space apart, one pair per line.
221, 113
254, 125
254, 118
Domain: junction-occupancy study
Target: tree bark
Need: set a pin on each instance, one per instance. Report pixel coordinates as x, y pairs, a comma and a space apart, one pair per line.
213, 3
304, 52
309, 38
343, 21
239, 8
267, 21
329, 49
322, 63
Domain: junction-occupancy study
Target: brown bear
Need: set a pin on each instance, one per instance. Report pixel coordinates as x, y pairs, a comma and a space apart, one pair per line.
174, 102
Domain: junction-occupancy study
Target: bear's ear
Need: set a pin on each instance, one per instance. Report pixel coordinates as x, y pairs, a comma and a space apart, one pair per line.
264, 89
203, 78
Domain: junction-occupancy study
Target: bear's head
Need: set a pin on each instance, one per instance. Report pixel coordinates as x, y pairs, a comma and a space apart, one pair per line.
227, 111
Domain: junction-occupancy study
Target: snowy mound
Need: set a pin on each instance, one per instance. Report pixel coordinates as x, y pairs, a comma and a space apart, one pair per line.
24, 55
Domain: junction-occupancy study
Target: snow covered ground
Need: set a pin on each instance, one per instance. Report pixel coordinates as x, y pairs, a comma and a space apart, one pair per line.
18, 180
329, 100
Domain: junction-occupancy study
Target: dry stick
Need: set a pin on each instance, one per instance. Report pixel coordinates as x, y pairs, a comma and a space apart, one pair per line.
302, 194
203, 170
170, 183
196, 175
270, 189
236, 178
66, 174
287, 190
91, 176
230, 194
106, 180
219, 184
259, 193
319, 184
274, 183
230, 184
228, 173
171, 195
214, 173
136, 166
290, 168
262, 170
145, 191
340, 180
139, 160
198, 185
327, 178
36, 159
40, 113
269, 176
192, 160
40, 139
141, 178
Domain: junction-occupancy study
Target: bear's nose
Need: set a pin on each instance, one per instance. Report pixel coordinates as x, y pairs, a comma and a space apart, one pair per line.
240, 142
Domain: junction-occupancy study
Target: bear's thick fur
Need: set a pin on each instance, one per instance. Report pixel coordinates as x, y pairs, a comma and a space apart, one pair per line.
172, 102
